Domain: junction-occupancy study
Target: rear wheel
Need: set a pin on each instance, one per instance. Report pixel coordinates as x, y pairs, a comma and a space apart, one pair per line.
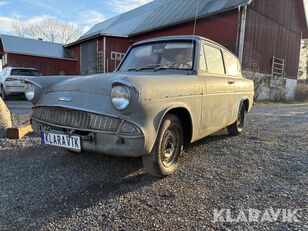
237, 127
3, 94
163, 159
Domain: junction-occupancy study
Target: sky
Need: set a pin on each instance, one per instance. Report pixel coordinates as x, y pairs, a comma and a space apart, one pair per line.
82, 12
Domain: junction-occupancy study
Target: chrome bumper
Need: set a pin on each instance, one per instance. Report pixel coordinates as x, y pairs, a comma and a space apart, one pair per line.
98, 142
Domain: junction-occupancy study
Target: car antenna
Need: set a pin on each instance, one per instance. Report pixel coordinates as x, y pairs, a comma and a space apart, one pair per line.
194, 27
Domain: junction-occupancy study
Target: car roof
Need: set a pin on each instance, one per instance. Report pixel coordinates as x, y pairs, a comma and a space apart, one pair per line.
183, 37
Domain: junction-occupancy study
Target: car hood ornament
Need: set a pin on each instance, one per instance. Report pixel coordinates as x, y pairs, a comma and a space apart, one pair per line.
65, 99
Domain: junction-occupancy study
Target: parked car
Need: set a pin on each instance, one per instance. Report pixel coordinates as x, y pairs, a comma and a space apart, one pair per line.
12, 80
167, 92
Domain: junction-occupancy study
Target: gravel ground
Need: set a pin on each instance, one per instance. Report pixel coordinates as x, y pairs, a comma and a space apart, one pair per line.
43, 188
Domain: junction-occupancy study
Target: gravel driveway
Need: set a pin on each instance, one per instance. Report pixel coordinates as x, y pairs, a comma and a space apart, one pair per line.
43, 188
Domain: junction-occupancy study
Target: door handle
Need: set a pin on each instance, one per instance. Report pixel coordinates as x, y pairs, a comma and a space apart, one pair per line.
231, 82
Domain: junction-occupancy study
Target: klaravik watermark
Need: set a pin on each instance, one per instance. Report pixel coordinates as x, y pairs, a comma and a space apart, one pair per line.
254, 215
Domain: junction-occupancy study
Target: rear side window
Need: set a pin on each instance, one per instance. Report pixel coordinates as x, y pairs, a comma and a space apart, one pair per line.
214, 60
23, 72
231, 62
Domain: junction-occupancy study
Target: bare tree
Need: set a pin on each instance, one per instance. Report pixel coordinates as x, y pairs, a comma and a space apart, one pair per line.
49, 29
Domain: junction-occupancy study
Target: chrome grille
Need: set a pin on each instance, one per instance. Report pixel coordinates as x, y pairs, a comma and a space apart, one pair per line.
76, 119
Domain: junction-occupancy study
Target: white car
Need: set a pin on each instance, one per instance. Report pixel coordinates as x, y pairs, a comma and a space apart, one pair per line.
12, 80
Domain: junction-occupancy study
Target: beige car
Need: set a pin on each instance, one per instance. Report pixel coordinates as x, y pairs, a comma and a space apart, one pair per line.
166, 93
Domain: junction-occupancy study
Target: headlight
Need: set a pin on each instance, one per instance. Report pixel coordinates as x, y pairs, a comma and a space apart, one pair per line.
120, 97
29, 91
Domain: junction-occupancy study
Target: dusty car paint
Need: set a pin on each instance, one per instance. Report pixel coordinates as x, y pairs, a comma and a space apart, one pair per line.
211, 101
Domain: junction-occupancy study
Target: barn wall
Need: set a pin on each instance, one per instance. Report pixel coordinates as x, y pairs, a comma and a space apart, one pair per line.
220, 28
272, 29
75, 50
115, 44
47, 66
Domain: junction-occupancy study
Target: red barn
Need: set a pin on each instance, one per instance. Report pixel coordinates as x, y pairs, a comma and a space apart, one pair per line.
49, 58
258, 31
255, 30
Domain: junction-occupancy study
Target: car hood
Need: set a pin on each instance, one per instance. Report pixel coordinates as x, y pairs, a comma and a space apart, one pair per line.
145, 83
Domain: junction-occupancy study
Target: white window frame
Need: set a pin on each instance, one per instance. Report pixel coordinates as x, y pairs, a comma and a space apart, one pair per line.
117, 55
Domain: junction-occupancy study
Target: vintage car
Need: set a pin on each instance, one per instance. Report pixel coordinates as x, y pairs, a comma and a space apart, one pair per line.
167, 92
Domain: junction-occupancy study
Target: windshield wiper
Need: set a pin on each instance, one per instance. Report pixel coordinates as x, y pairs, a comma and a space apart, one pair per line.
171, 67
141, 68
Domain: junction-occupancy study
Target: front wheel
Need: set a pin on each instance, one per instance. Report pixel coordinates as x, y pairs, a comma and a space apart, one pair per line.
163, 159
237, 127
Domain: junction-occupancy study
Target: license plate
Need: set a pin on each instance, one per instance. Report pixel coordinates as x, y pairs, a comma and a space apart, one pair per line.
64, 141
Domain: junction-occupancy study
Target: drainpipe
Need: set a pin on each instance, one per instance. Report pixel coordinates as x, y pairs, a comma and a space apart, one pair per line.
238, 31
242, 34
105, 55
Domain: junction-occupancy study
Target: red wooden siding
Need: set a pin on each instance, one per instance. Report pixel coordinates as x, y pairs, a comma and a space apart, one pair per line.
47, 66
272, 29
75, 50
220, 28
116, 45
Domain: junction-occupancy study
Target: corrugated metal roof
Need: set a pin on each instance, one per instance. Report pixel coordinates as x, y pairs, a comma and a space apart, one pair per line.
33, 47
158, 14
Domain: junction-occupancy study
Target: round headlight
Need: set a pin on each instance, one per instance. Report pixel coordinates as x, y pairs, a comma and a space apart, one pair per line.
120, 97
29, 91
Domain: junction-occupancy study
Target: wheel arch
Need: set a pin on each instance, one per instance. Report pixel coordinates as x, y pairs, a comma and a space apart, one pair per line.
245, 102
185, 117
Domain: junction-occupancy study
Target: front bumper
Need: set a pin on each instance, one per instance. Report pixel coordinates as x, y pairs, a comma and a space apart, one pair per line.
11, 90
99, 142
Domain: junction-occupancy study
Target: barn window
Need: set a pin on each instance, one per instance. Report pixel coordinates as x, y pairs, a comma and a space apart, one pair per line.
117, 56
214, 60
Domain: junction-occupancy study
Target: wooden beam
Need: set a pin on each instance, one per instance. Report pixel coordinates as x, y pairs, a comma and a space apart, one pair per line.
18, 133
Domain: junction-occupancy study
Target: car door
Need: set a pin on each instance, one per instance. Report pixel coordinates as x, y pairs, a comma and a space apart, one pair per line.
233, 71
217, 89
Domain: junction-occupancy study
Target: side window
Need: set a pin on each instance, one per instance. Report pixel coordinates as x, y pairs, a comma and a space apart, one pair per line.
232, 67
214, 60
202, 63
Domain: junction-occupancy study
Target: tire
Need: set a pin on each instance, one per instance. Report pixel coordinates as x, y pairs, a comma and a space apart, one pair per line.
3, 94
237, 127
163, 159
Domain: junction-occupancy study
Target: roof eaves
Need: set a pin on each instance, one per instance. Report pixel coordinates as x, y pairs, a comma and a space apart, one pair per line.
93, 37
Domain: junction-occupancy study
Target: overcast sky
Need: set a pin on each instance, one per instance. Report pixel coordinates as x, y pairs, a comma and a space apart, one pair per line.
85, 13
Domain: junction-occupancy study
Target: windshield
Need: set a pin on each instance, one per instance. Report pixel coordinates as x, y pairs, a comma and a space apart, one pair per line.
24, 72
164, 55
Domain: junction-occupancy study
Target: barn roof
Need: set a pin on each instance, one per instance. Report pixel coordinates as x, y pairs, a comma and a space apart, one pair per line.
33, 47
158, 14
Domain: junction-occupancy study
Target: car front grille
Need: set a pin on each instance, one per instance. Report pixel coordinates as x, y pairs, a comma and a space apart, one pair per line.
76, 119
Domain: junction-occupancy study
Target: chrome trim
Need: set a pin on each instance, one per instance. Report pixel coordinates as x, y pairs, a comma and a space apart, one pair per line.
85, 130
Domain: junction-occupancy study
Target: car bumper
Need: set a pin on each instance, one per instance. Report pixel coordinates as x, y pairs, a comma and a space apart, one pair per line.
11, 90
99, 142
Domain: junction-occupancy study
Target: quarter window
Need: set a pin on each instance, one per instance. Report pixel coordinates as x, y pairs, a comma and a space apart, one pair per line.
231, 64
214, 60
